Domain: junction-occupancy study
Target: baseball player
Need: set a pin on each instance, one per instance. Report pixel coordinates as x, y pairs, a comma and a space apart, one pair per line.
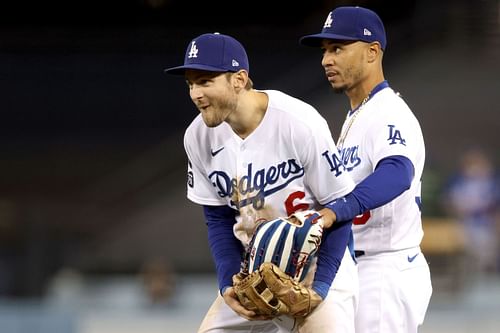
255, 155
382, 147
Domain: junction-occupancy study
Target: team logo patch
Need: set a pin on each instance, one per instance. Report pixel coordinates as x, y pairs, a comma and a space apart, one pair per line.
395, 136
190, 175
193, 52
329, 21
334, 162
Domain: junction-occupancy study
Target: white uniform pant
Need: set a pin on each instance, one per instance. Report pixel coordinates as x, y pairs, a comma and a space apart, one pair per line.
394, 291
334, 315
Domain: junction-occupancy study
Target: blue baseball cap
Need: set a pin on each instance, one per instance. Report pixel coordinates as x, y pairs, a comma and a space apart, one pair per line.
213, 52
350, 23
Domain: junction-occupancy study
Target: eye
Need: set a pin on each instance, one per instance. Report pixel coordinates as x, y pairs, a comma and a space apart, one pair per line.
331, 48
200, 82
203, 81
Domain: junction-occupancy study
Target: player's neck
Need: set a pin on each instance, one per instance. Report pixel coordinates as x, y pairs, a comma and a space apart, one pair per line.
362, 91
249, 114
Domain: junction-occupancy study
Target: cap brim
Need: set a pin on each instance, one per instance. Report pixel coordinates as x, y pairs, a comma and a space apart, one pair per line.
180, 70
316, 40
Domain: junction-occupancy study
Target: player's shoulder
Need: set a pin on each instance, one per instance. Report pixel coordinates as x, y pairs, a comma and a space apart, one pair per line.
390, 101
195, 126
389, 95
199, 134
293, 108
281, 100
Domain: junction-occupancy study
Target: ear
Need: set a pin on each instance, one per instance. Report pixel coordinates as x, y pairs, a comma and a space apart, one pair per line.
240, 79
374, 51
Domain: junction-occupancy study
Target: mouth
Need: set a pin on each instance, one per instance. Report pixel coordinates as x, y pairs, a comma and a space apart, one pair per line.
331, 75
203, 108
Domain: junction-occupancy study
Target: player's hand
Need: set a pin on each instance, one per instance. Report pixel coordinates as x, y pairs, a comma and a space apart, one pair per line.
329, 217
232, 301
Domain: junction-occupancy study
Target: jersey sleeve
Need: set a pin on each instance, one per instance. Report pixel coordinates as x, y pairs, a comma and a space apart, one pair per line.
324, 172
396, 133
199, 188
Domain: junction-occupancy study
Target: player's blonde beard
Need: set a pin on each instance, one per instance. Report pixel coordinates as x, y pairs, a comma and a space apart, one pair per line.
220, 108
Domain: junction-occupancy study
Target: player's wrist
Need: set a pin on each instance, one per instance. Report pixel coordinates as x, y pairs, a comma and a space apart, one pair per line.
223, 290
329, 217
345, 208
321, 288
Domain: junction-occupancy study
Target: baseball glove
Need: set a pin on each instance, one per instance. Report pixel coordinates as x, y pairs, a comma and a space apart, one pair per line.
280, 254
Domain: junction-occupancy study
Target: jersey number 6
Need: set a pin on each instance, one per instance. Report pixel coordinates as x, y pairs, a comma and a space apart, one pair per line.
289, 205
292, 208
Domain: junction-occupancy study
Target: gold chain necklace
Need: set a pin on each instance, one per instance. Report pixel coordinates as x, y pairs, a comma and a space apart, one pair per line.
344, 132
346, 129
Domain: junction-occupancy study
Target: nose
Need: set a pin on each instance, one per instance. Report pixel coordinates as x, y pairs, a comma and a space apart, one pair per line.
327, 60
195, 92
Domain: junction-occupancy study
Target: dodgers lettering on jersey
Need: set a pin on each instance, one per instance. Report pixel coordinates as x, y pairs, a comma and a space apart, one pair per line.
261, 182
348, 160
284, 166
386, 127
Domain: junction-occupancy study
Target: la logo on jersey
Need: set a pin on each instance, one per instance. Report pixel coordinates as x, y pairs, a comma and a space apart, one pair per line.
193, 52
328, 22
334, 162
395, 136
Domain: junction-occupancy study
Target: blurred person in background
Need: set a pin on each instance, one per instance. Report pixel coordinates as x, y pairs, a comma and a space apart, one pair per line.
158, 280
472, 197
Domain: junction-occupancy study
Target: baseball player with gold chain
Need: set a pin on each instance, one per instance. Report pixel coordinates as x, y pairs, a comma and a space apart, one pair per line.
254, 156
382, 147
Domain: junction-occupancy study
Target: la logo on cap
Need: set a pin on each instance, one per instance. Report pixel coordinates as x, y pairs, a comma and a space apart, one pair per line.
328, 22
193, 52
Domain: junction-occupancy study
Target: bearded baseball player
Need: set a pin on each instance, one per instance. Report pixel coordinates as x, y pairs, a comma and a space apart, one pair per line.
255, 156
382, 147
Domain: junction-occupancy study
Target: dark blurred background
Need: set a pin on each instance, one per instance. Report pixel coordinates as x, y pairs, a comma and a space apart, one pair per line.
92, 167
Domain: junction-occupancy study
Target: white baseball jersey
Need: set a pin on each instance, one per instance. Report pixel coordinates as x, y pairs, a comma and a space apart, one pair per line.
393, 271
382, 127
282, 167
